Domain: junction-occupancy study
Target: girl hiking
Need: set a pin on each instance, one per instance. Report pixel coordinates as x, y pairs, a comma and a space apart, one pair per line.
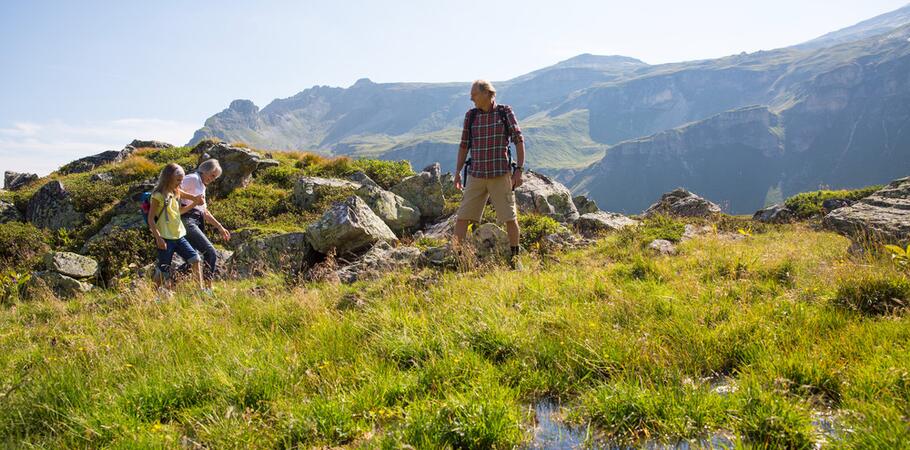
167, 228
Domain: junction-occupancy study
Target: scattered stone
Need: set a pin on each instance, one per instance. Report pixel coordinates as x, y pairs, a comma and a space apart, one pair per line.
591, 224
71, 264
237, 165
834, 203
584, 205
662, 247
774, 214
490, 240
682, 203
884, 215
348, 226
62, 286
12, 181
541, 194
103, 177
448, 185
424, 190
52, 207
691, 231
381, 259
286, 253
308, 191
398, 213
9, 213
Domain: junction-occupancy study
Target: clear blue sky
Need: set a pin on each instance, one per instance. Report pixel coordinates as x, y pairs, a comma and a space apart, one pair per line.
80, 77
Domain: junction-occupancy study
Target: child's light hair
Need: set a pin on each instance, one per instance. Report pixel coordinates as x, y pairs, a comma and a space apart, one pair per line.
168, 174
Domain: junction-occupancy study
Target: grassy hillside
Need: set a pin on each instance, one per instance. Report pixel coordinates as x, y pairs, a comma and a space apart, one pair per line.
752, 336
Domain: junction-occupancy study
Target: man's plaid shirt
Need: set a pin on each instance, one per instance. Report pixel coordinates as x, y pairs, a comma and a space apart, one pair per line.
489, 144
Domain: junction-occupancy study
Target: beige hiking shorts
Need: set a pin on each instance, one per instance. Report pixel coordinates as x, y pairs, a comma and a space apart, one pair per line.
498, 190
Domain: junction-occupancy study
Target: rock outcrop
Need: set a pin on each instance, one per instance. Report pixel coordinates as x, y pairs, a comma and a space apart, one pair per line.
884, 215
682, 203
52, 207
348, 226
61, 285
584, 205
543, 195
774, 214
591, 224
9, 213
380, 259
424, 190
308, 191
286, 253
91, 162
490, 241
71, 264
149, 144
396, 211
14, 180
237, 165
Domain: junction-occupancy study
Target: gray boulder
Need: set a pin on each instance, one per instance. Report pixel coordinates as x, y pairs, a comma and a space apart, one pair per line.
285, 253
308, 191
591, 224
440, 257
149, 144
380, 259
424, 190
490, 241
52, 207
237, 164
682, 203
71, 264
62, 286
884, 215
544, 195
91, 162
398, 213
584, 205
439, 230
774, 214
348, 226
9, 213
363, 179
14, 180
662, 247
120, 222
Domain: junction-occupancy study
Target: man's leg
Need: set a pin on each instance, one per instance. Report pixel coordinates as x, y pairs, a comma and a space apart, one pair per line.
473, 200
503, 199
204, 246
512, 230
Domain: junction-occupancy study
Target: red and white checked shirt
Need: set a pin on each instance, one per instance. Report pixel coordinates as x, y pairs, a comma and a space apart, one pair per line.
489, 144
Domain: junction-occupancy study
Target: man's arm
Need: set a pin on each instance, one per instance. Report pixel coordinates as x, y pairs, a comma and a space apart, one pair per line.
225, 234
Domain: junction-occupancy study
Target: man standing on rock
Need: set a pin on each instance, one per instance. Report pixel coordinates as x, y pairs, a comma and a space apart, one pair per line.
195, 219
487, 130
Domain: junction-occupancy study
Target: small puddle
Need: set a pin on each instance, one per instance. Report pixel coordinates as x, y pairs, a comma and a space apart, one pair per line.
552, 433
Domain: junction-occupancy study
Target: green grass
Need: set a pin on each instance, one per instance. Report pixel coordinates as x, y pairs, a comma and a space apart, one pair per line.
809, 204
630, 343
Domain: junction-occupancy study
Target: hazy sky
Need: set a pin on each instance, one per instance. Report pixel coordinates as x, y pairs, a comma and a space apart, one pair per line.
84, 76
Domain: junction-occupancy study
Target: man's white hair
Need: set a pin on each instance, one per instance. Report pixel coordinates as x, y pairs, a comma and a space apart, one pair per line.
485, 86
210, 166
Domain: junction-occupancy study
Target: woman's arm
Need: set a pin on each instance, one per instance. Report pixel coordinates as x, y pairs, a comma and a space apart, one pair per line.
159, 241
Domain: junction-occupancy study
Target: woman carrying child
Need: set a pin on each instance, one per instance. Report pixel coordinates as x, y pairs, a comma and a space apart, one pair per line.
167, 228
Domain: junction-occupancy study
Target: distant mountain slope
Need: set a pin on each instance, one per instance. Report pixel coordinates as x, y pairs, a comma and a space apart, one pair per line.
865, 29
848, 125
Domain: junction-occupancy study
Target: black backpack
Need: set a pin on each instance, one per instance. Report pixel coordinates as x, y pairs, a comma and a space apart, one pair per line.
501, 111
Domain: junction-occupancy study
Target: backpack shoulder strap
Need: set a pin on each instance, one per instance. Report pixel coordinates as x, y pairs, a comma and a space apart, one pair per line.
471, 115
501, 109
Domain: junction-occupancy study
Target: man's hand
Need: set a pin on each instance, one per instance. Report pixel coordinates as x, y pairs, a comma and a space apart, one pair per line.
225, 234
197, 199
516, 179
458, 181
